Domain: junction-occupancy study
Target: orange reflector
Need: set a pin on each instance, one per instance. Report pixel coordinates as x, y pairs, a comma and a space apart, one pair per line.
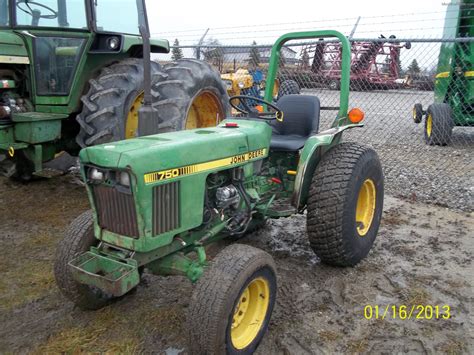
356, 115
259, 108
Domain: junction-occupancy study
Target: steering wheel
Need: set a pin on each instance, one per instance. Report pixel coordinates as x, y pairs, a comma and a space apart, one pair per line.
31, 12
253, 112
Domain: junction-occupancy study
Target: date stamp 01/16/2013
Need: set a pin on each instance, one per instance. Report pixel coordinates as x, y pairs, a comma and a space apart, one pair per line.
403, 312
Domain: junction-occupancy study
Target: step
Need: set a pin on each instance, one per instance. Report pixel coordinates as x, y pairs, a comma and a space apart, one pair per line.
37, 116
112, 276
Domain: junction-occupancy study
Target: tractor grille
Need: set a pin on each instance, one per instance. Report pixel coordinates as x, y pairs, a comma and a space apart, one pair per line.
116, 211
165, 208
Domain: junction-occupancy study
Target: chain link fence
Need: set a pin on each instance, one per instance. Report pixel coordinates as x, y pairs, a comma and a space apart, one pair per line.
389, 75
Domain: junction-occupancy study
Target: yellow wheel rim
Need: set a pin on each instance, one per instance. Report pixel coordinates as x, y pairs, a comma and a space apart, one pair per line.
249, 313
365, 209
131, 125
429, 125
205, 111
414, 114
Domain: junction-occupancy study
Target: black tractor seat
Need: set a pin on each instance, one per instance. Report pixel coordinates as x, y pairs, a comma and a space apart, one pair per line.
300, 121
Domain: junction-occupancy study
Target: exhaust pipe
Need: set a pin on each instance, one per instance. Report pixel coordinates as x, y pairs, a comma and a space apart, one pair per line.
147, 114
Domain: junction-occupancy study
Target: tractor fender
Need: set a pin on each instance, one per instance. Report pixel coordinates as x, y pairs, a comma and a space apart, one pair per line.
314, 149
134, 43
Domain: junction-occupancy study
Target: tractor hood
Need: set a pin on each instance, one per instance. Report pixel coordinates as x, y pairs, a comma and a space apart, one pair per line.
12, 49
172, 150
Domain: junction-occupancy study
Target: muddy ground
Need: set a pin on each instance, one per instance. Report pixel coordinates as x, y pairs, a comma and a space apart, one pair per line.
423, 256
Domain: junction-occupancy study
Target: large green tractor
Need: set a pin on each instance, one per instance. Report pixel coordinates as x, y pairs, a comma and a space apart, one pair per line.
454, 85
72, 76
158, 202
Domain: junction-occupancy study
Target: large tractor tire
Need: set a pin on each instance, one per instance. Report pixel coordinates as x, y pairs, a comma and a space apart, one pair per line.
232, 303
288, 87
79, 238
438, 124
345, 204
110, 107
187, 93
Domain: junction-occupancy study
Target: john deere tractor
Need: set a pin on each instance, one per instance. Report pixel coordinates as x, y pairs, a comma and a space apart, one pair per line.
454, 85
72, 76
159, 201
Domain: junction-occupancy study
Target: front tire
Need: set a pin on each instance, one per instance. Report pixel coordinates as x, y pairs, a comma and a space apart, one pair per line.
417, 113
79, 238
232, 303
333, 85
345, 204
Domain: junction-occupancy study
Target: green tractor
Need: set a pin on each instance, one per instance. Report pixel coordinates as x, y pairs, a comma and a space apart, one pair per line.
159, 201
72, 76
454, 85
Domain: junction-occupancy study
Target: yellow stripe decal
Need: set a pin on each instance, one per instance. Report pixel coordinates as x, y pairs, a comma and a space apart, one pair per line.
210, 165
12, 59
469, 73
444, 74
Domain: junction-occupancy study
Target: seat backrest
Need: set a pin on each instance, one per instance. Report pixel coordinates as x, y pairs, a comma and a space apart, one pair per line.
301, 115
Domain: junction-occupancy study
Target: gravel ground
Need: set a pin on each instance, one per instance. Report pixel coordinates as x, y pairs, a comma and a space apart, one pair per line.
422, 256
414, 170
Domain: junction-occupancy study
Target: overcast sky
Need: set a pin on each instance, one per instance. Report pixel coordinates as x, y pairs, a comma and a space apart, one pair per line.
170, 18
243, 21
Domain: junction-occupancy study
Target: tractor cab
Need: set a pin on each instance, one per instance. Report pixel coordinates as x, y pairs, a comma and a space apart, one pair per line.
54, 35
52, 52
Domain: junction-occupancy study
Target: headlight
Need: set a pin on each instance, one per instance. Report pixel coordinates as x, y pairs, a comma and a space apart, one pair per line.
96, 175
124, 178
241, 85
113, 43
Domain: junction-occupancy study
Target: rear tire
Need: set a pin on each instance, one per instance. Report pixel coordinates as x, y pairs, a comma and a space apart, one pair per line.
183, 89
110, 98
189, 94
345, 204
232, 303
438, 124
288, 87
79, 238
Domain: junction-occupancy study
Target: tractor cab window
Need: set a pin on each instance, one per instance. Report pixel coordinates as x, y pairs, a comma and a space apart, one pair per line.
56, 59
119, 16
4, 15
51, 13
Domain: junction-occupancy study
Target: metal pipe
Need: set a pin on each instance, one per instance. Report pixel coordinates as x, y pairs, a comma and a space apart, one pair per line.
354, 28
145, 33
